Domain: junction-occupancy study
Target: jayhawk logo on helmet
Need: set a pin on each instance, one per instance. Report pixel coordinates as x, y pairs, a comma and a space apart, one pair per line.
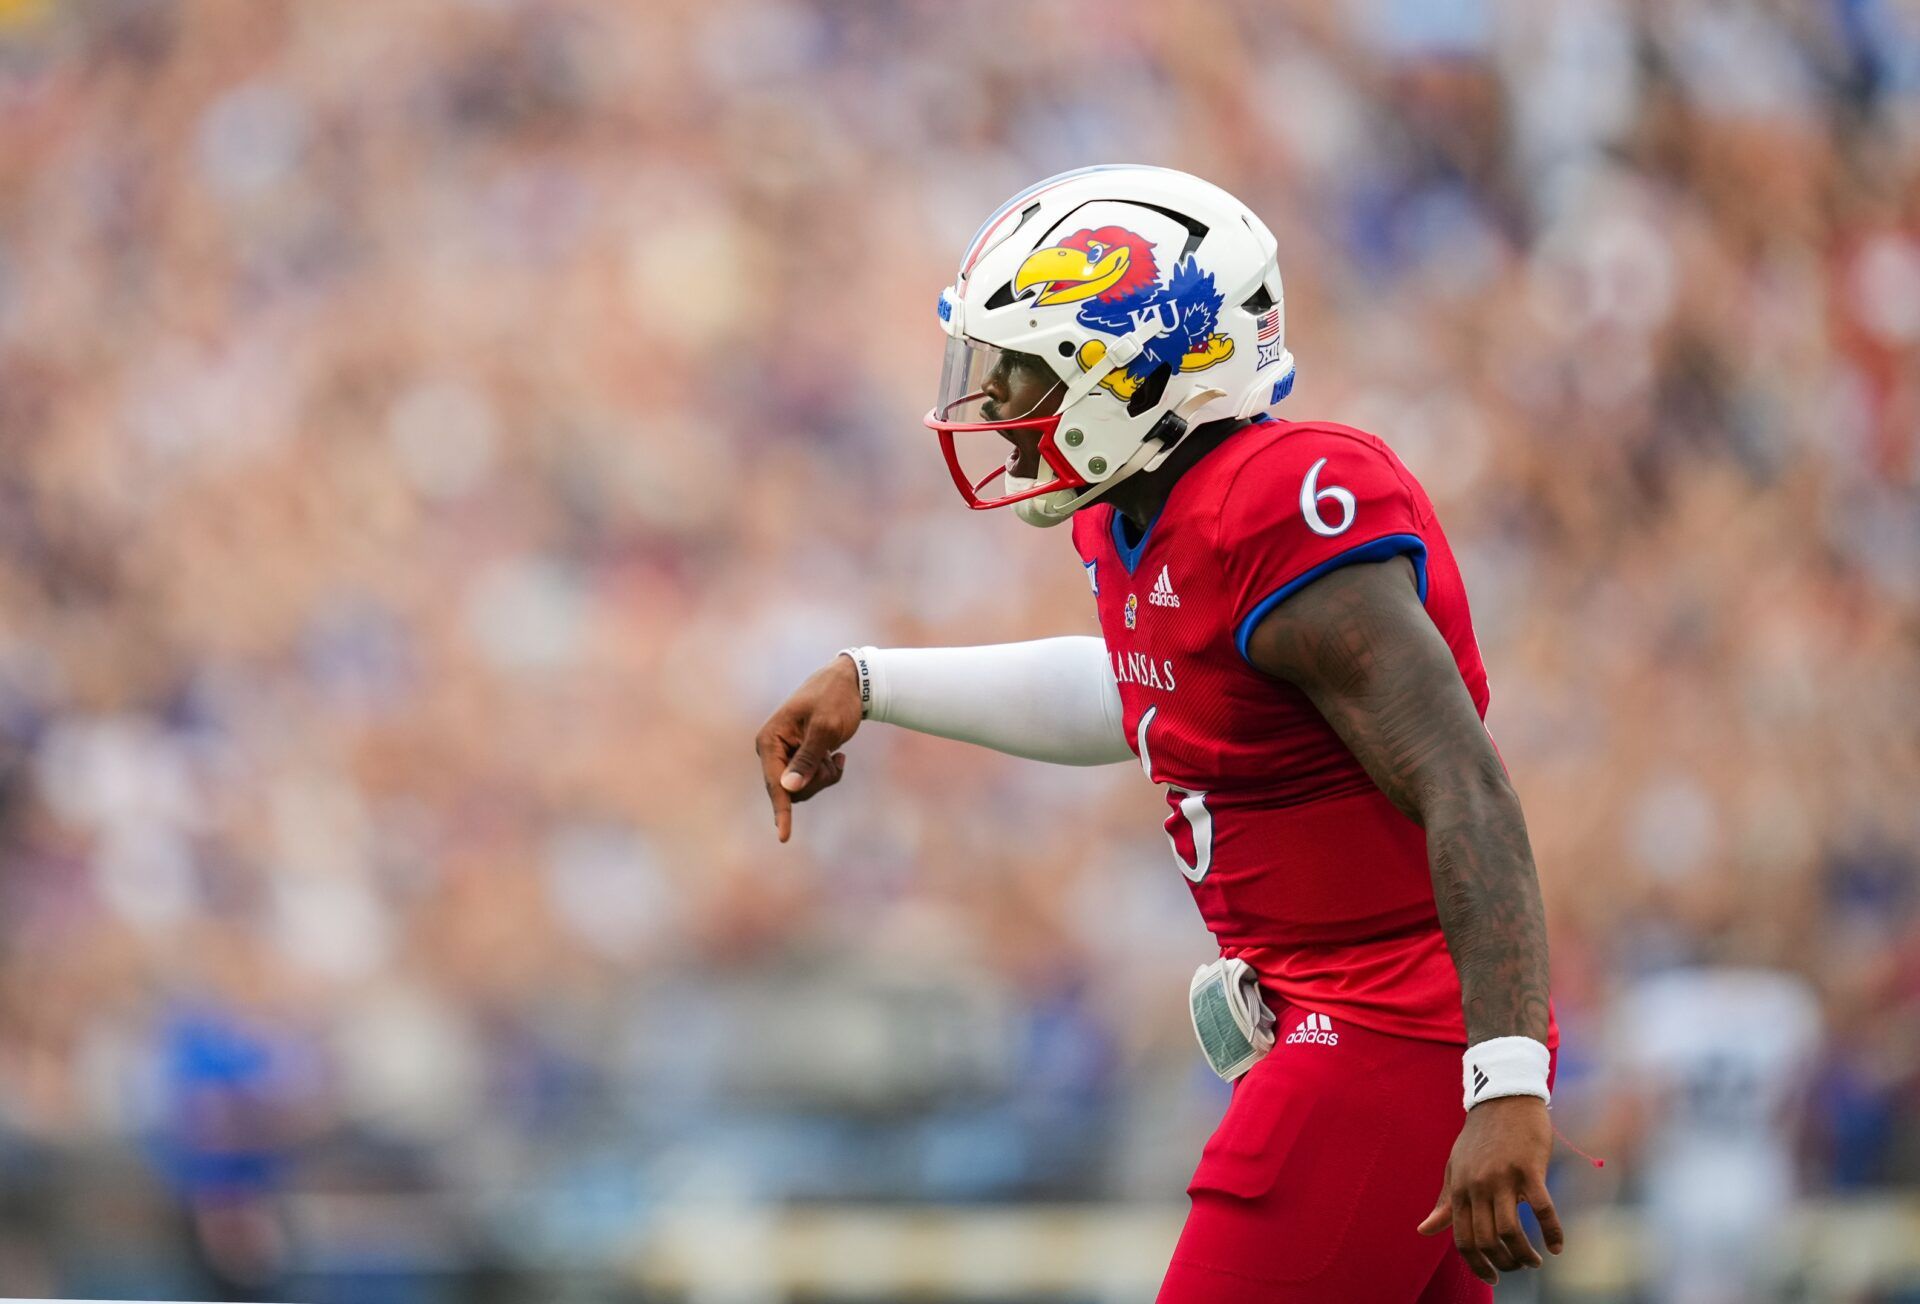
1112, 274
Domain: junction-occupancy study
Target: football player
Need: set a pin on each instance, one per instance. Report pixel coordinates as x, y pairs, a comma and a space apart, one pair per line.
1287, 650
1715, 1063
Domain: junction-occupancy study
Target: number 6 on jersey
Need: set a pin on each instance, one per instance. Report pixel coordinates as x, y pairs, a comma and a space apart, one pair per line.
1190, 826
1310, 495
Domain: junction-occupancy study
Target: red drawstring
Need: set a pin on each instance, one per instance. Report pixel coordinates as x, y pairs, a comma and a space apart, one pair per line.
1597, 1163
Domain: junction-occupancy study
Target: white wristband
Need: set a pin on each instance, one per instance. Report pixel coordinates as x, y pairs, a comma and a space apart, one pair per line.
862, 658
1505, 1066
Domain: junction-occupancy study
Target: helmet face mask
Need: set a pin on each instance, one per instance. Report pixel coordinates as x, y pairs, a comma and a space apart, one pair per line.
1013, 398
1088, 308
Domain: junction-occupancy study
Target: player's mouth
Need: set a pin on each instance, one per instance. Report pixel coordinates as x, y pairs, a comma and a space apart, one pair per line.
1024, 459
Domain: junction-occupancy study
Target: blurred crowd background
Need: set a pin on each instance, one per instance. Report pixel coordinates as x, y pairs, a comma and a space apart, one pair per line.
434, 435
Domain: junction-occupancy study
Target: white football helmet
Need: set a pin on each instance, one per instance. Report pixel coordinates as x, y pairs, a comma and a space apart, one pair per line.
1152, 297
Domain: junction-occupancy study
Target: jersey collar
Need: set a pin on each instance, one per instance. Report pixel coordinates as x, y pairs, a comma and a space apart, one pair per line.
1130, 556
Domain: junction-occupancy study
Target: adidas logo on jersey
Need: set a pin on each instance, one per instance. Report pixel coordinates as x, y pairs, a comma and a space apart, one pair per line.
1315, 1029
1163, 594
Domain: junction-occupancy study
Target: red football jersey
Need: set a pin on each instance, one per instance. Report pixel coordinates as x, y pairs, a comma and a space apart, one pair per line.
1298, 862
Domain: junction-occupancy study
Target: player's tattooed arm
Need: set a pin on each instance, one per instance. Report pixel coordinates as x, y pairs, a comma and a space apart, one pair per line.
1361, 646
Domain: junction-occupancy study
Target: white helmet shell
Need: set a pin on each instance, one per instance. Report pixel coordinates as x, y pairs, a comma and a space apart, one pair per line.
1147, 291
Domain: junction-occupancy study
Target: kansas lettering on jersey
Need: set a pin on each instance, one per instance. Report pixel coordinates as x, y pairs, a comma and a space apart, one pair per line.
1298, 862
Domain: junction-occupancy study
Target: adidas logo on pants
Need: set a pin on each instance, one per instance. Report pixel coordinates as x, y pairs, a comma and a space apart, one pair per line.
1316, 1029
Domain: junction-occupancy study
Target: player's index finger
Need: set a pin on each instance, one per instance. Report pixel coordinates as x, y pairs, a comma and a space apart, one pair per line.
782, 808
773, 749
773, 762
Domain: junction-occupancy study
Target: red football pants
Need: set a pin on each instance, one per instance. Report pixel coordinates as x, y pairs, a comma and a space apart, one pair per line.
1330, 1153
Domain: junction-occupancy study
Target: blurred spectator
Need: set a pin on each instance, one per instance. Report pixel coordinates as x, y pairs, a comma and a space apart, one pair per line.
1713, 1061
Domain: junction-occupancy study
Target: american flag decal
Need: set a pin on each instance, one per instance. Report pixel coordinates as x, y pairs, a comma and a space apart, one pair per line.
1267, 337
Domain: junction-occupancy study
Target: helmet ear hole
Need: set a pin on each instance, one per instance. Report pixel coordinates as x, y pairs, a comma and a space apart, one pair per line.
1151, 389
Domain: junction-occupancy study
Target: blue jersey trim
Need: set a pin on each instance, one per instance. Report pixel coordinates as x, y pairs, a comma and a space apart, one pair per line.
1130, 556
1392, 545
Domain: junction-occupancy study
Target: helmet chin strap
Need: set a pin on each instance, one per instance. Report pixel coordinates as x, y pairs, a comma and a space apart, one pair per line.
1060, 505
1051, 509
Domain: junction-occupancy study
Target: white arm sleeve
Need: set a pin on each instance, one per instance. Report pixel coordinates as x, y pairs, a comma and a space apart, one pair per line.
1053, 699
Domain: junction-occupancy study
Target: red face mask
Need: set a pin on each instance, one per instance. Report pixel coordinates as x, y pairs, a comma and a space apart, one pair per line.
1015, 398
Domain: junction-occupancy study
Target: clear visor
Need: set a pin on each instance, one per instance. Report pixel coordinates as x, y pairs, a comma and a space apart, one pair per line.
981, 384
1004, 407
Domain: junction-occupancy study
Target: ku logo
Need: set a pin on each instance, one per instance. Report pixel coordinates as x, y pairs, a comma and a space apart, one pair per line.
1133, 610
1112, 274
